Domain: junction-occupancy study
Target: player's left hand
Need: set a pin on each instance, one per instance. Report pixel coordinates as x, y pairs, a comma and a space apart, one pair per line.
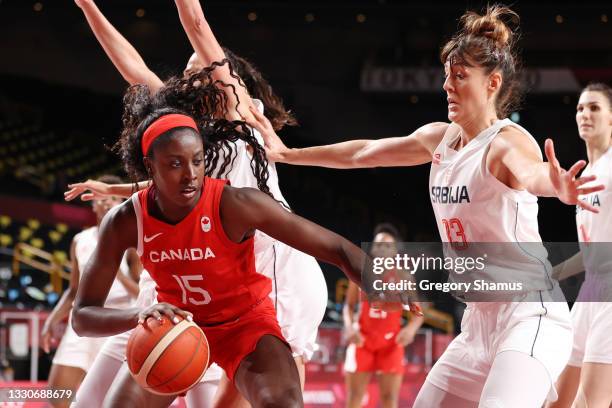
565, 183
88, 190
404, 337
275, 148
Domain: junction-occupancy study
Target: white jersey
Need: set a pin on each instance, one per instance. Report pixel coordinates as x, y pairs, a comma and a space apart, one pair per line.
595, 232
240, 174
85, 243
299, 291
472, 207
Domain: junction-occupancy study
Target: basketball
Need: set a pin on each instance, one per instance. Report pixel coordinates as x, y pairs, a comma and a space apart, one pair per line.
166, 358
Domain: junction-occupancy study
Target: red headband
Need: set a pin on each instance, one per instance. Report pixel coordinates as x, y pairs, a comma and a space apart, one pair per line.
162, 125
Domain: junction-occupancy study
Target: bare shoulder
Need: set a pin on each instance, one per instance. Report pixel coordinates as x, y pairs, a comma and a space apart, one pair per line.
431, 134
120, 223
123, 213
511, 137
239, 195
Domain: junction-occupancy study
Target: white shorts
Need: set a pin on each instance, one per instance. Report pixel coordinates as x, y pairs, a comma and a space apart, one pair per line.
541, 330
299, 293
592, 323
75, 351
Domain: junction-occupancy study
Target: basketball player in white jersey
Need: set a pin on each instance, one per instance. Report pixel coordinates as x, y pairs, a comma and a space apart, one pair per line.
586, 380
75, 354
509, 354
300, 301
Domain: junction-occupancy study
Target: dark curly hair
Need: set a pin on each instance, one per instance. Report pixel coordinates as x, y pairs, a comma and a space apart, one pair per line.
204, 99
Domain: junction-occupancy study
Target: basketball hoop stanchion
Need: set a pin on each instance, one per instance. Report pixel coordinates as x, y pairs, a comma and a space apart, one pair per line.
34, 322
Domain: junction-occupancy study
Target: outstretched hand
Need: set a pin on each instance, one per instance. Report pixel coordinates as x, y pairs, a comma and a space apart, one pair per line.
88, 190
275, 148
565, 183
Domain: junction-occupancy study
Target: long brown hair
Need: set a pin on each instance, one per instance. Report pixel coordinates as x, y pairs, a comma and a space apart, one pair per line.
260, 89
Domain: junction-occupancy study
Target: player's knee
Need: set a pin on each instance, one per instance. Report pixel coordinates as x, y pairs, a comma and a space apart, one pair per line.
588, 400
281, 397
388, 398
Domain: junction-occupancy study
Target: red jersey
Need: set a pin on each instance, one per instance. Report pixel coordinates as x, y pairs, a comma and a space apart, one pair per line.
196, 267
378, 327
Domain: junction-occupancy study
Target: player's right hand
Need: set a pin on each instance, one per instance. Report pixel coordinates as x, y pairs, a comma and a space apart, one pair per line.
163, 309
97, 189
353, 335
47, 338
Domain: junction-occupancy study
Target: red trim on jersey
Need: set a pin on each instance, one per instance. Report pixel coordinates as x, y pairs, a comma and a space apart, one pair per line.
164, 124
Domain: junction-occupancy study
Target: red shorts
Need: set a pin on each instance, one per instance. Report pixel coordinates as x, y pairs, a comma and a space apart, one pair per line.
231, 342
364, 359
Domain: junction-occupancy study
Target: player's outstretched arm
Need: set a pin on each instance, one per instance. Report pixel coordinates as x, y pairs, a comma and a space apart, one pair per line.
414, 149
123, 55
93, 189
209, 51
248, 209
545, 179
244, 210
568, 268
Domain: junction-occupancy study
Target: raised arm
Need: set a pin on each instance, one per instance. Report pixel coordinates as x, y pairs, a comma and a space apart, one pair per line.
523, 159
125, 58
414, 149
208, 50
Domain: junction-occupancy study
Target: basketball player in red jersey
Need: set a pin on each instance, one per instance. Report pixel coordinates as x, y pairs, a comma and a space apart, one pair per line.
377, 339
300, 300
194, 236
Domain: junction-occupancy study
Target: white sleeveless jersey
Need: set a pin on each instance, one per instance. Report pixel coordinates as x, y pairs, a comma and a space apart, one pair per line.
85, 243
472, 207
240, 174
595, 232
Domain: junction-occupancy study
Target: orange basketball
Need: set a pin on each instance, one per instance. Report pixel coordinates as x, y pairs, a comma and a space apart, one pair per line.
166, 358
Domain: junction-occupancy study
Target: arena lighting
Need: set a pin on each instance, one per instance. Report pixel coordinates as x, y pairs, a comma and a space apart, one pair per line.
559, 19
361, 18
38, 6
252, 16
140, 13
309, 17
515, 117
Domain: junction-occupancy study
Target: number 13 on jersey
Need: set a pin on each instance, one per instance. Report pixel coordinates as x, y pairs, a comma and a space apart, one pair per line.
455, 233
